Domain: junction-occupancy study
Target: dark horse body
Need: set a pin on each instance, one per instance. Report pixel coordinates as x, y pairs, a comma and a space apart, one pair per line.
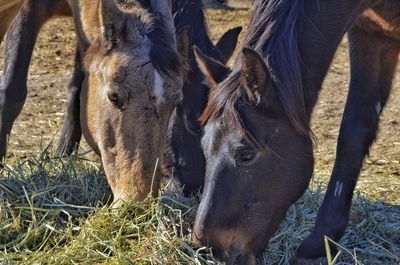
184, 160
257, 140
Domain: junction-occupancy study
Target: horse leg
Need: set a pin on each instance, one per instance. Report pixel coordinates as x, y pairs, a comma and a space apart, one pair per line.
19, 44
6, 16
72, 132
373, 61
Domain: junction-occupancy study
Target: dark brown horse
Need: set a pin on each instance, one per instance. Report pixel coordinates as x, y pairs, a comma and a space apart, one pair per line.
185, 160
130, 83
257, 140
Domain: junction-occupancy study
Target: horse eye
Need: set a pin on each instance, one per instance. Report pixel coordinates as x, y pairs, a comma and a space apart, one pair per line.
245, 156
113, 97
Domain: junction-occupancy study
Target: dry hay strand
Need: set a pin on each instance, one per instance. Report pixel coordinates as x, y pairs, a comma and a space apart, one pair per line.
57, 211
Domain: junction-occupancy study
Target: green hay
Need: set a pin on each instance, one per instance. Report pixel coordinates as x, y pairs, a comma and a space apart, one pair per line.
54, 211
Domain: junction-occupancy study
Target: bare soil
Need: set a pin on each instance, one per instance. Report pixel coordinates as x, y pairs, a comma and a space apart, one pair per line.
41, 119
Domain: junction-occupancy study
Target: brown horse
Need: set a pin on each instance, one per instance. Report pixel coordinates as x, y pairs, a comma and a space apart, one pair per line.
257, 140
183, 160
132, 79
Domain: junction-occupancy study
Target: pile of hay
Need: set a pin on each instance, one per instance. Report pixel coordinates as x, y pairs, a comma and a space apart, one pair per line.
54, 211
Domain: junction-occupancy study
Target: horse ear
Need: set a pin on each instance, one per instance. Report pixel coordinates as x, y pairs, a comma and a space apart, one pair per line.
164, 8
111, 22
183, 42
214, 71
255, 75
227, 43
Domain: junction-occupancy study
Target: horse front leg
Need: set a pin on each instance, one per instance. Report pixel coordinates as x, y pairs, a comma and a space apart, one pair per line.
373, 62
71, 133
19, 44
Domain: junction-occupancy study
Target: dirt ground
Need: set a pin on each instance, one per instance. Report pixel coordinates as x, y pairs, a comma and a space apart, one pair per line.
40, 121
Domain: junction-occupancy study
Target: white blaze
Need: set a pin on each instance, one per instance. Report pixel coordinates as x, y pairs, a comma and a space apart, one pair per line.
158, 87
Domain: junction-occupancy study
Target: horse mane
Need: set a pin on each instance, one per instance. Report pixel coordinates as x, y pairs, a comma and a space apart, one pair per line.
273, 32
163, 56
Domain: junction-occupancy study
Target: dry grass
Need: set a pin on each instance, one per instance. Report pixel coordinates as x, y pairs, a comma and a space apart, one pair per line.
55, 211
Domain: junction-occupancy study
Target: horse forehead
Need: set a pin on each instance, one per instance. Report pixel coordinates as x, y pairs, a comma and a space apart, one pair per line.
137, 55
209, 137
219, 137
132, 61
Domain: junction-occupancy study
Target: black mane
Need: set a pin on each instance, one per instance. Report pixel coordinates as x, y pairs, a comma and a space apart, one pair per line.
273, 32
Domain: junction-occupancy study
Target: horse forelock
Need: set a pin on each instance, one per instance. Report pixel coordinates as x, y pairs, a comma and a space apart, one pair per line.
223, 105
272, 32
163, 55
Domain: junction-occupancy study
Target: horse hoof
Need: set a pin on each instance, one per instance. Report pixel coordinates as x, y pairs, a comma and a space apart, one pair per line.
310, 261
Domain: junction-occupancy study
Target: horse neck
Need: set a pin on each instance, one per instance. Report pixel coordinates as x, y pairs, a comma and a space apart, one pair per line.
319, 38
